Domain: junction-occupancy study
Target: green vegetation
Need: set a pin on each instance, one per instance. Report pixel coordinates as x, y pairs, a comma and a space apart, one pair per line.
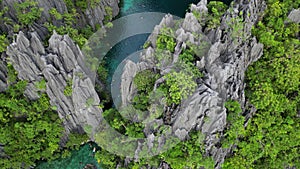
102, 72
11, 73
28, 129
3, 38
180, 86
69, 20
165, 40
144, 81
28, 12
123, 126
235, 124
271, 139
69, 88
3, 43
81, 4
186, 154
237, 26
215, 9
109, 14
41, 85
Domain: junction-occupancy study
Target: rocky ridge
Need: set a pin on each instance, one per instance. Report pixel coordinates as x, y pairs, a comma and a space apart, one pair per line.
59, 64
92, 15
224, 66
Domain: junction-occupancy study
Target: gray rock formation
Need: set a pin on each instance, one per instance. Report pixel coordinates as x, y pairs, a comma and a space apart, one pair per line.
224, 66
128, 88
60, 63
93, 15
3, 76
294, 15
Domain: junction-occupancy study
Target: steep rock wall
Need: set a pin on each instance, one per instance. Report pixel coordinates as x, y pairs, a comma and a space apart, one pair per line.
61, 64
224, 66
93, 15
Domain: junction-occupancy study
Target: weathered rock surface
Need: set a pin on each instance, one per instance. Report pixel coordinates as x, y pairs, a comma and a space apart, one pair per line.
58, 64
3, 76
93, 15
223, 67
128, 89
294, 15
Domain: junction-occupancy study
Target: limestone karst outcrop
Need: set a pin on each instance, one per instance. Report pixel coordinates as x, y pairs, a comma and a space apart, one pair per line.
93, 15
59, 64
223, 66
62, 63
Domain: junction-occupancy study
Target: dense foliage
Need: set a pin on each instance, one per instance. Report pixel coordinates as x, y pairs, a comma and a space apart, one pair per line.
215, 11
186, 154
28, 12
29, 130
235, 124
271, 139
144, 81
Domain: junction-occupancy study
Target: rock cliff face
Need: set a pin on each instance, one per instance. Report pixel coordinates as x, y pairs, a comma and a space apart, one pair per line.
61, 64
3, 76
92, 15
224, 66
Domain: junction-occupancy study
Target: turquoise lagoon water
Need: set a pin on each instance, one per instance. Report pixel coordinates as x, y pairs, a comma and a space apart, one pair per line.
115, 56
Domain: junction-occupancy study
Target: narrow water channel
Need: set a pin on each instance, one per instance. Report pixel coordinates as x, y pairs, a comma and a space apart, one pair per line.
114, 57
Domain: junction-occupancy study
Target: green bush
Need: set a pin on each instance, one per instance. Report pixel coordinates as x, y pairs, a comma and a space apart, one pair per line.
41, 85
109, 14
235, 124
28, 129
28, 12
145, 80
3, 43
55, 14
69, 20
122, 125
68, 88
271, 139
215, 9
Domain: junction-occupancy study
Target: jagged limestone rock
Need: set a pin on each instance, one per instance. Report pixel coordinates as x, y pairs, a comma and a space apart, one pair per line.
93, 15
128, 89
294, 15
224, 65
60, 65
3, 76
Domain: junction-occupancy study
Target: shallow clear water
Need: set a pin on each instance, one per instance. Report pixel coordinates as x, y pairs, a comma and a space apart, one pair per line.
78, 160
